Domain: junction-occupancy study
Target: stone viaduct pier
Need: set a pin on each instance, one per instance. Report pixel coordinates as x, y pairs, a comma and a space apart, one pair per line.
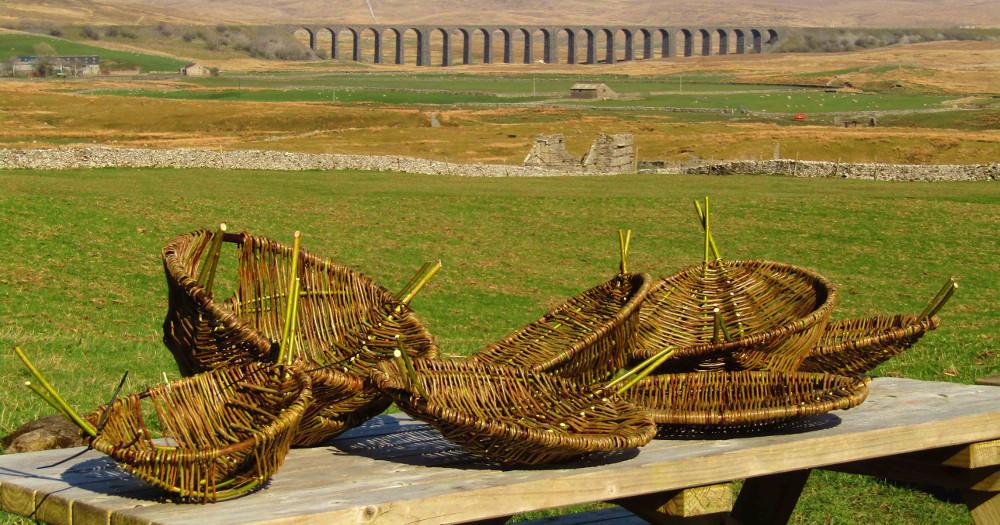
577, 44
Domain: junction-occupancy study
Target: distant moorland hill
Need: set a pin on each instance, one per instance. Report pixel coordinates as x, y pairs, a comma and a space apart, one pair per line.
810, 13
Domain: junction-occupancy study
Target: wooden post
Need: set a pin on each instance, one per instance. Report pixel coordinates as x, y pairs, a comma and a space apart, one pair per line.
769, 499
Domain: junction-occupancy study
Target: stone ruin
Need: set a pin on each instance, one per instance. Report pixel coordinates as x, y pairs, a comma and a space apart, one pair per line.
608, 154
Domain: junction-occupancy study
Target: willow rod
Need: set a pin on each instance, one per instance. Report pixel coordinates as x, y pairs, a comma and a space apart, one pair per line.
939, 300
206, 276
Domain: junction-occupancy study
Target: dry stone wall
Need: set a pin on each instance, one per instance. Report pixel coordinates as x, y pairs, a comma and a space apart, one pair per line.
870, 171
103, 157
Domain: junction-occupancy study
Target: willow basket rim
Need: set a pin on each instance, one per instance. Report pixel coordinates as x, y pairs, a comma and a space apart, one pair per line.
848, 393
570, 444
818, 315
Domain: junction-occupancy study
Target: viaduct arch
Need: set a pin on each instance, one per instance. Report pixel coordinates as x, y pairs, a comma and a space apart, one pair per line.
521, 44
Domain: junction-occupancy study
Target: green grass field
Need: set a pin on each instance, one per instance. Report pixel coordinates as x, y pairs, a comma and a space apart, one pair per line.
320, 95
82, 287
696, 92
24, 44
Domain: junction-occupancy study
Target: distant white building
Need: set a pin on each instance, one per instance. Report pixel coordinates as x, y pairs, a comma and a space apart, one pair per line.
67, 65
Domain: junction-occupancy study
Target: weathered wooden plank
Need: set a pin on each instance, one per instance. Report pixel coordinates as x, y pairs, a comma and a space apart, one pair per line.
984, 507
414, 478
976, 455
990, 380
769, 499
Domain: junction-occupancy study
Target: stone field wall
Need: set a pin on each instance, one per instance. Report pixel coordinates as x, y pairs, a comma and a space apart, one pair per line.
870, 171
103, 157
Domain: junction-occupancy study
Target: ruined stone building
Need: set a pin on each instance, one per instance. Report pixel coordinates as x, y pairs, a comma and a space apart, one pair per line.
608, 154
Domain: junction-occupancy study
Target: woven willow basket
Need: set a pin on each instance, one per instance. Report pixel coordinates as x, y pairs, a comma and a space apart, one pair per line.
774, 313
346, 324
744, 399
515, 416
225, 431
856, 346
587, 338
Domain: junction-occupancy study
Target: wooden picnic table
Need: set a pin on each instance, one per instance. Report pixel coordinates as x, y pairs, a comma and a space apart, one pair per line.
397, 470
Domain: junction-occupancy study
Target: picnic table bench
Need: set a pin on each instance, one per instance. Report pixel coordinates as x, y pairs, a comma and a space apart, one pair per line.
397, 470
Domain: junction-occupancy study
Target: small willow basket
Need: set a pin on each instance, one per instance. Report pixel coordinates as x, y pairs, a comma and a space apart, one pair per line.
587, 338
743, 399
856, 346
346, 323
512, 415
773, 312
222, 432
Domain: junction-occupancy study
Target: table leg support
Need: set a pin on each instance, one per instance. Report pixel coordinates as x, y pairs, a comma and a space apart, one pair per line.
769, 499
983, 506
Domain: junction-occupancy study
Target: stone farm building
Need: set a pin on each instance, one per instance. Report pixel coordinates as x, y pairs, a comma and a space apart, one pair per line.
68, 65
195, 70
591, 91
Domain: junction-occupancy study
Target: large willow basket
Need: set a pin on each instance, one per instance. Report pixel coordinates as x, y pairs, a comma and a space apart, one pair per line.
774, 313
515, 416
744, 399
346, 324
856, 346
222, 432
587, 338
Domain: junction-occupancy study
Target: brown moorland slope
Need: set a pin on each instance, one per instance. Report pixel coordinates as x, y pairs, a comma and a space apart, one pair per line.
810, 13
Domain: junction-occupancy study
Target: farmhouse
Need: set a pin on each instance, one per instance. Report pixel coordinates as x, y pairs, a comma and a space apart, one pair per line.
586, 90
194, 70
67, 65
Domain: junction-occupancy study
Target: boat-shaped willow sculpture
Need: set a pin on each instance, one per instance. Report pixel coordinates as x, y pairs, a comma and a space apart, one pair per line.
734, 314
216, 435
512, 415
346, 322
857, 346
586, 338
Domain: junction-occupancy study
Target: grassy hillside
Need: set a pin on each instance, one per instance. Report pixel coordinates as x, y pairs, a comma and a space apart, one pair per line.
15, 44
808, 13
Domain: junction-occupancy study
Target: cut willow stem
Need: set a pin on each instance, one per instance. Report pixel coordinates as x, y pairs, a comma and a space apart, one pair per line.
54, 396
206, 276
413, 280
939, 300
708, 231
657, 360
624, 236
638, 368
104, 416
410, 371
425, 275
292, 296
711, 239
295, 321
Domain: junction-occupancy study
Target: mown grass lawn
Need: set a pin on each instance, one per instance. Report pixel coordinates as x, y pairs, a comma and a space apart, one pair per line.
82, 290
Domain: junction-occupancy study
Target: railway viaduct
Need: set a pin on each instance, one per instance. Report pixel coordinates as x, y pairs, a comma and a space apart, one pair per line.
582, 43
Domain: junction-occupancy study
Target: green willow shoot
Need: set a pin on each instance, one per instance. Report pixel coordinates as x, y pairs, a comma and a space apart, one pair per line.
50, 396
419, 280
206, 275
640, 373
703, 218
939, 300
624, 236
292, 297
400, 355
